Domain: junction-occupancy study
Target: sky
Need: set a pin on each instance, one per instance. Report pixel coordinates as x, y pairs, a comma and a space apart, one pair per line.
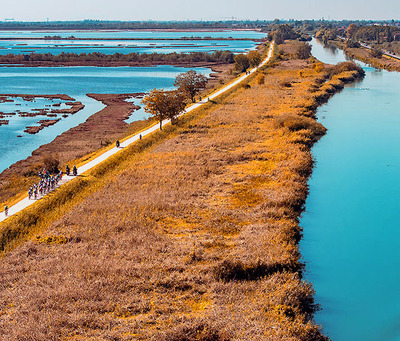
40, 10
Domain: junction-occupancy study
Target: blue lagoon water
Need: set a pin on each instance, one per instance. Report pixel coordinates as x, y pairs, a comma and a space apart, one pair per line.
122, 46
351, 242
75, 82
126, 46
132, 34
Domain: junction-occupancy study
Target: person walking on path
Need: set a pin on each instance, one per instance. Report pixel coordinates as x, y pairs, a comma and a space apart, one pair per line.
6, 211
117, 143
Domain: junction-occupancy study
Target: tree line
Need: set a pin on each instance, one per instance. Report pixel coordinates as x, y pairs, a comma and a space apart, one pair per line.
225, 57
131, 25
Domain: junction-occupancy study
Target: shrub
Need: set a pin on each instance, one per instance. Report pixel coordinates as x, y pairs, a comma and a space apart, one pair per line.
319, 67
195, 331
296, 123
51, 164
260, 79
376, 53
345, 66
303, 51
236, 270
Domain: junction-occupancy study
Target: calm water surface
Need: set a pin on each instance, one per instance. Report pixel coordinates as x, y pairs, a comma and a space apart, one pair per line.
75, 82
134, 34
351, 242
126, 46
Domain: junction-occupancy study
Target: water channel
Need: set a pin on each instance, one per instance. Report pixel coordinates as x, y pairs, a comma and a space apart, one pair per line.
351, 243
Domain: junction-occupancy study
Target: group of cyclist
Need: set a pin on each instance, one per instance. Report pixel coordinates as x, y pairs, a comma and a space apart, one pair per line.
47, 183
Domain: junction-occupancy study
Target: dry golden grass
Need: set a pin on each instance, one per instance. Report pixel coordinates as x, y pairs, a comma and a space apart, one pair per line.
191, 237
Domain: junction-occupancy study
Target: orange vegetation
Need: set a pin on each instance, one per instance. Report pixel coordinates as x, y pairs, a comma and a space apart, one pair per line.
192, 234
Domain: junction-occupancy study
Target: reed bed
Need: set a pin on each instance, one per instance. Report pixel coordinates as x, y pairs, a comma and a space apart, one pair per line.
191, 234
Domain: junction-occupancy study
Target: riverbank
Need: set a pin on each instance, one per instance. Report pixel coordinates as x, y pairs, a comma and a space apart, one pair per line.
192, 232
363, 54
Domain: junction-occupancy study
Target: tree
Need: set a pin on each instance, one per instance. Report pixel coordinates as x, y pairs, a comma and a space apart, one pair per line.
254, 58
283, 32
303, 51
175, 104
351, 30
190, 83
164, 104
51, 164
241, 63
376, 53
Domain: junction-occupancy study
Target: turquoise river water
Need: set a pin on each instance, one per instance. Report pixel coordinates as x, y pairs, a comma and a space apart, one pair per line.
351, 243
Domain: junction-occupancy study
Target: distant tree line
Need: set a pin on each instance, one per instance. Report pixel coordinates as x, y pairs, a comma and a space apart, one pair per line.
225, 57
375, 33
264, 25
281, 32
131, 25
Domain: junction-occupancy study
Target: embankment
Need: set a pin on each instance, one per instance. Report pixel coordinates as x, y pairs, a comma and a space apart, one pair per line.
364, 55
191, 233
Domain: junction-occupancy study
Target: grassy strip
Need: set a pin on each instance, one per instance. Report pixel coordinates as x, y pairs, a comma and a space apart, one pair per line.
37, 217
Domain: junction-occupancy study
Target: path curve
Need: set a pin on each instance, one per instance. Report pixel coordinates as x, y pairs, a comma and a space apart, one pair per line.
26, 202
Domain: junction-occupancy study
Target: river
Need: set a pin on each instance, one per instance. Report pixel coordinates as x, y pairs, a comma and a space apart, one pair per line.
351, 243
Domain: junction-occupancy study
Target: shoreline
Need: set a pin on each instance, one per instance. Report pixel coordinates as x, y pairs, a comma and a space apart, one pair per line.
109, 64
89, 136
363, 54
